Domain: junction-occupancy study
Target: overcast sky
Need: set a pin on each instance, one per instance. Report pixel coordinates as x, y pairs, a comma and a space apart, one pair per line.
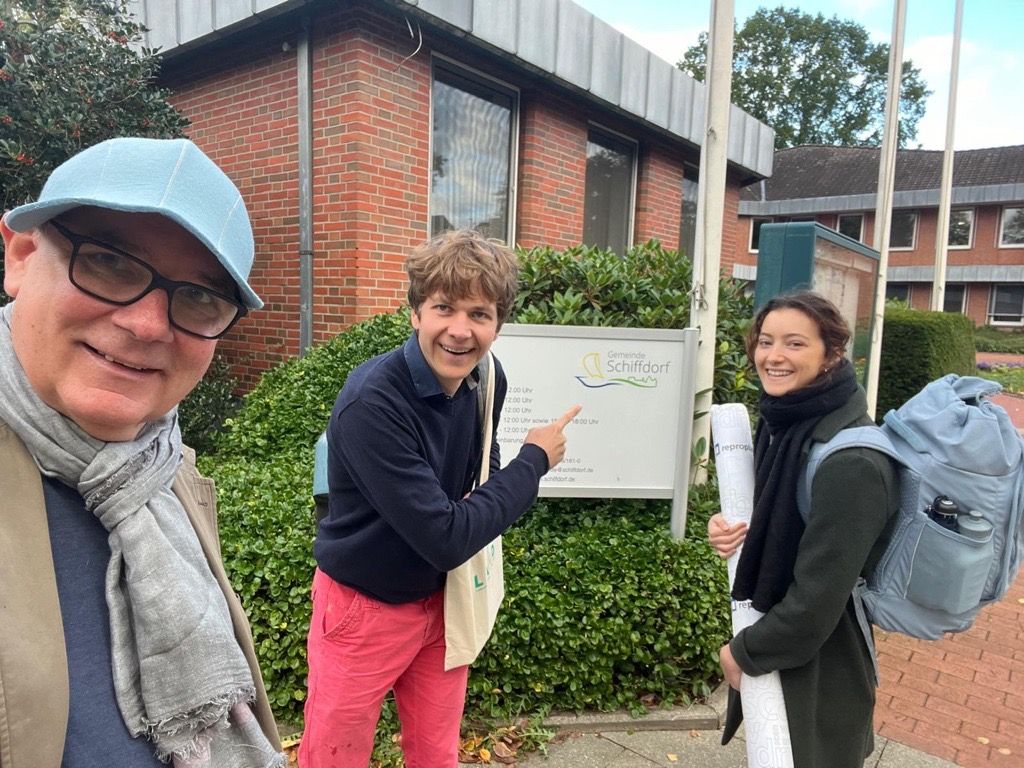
990, 95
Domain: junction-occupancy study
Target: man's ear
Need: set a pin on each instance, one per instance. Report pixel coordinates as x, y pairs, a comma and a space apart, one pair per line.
414, 318
18, 246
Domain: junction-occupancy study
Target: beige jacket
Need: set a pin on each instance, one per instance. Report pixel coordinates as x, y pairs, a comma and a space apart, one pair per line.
33, 661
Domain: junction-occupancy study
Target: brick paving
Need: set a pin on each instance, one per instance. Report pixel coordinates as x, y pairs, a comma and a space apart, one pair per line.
960, 698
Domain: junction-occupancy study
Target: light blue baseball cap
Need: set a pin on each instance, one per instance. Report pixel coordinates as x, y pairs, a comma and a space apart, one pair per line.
171, 177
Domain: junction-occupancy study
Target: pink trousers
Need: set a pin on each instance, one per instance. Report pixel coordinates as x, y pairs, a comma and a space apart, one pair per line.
359, 649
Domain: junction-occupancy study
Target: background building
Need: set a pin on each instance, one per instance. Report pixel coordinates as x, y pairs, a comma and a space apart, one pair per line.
836, 186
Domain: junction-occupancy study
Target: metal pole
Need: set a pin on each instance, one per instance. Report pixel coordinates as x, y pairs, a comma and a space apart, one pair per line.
681, 479
946, 186
710, 212
883, 206
304, 86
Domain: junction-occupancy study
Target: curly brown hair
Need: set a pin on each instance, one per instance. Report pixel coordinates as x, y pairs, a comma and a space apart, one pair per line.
832, 327
460, 263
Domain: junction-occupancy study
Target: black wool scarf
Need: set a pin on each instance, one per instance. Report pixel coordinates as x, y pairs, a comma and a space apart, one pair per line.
765, 570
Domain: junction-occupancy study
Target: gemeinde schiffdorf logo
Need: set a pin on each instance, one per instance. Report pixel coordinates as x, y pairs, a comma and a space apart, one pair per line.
616, 369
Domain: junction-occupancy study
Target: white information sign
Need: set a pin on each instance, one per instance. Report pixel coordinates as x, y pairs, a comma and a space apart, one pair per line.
636, 387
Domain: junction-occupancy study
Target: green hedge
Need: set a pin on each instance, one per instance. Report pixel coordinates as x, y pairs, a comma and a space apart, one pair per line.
265, 515
289, 407
202, 414
603, 608
990, 339
917, 347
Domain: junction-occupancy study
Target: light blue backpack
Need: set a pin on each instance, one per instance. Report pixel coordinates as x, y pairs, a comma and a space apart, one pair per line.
948, 439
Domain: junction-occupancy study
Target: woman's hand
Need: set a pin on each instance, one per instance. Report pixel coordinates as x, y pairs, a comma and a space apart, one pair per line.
730, 668
725, 538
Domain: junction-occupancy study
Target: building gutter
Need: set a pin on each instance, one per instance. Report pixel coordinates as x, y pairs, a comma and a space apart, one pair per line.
304, 88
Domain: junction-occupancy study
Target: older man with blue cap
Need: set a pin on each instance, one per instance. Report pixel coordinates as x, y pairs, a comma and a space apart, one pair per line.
122, 643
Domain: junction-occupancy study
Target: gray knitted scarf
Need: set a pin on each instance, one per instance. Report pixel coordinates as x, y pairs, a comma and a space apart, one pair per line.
180, 678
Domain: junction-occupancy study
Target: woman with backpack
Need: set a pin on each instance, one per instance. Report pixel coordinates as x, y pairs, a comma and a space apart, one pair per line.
799, 575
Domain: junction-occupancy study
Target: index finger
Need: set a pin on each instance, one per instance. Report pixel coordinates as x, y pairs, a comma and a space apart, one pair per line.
563, 420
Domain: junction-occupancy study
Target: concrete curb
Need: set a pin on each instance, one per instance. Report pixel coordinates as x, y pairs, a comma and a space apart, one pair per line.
695, 717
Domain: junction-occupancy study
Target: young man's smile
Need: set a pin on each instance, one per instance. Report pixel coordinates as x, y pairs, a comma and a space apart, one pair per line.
454, 334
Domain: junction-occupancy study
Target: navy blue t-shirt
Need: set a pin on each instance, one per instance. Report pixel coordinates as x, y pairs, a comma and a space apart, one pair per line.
97, 736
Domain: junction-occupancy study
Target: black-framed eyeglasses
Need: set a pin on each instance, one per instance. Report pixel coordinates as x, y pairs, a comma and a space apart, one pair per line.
111, 275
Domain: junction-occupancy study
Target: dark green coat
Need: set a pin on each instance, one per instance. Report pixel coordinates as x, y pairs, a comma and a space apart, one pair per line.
811, 636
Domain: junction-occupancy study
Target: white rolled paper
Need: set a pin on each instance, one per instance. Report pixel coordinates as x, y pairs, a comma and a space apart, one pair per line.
764, 710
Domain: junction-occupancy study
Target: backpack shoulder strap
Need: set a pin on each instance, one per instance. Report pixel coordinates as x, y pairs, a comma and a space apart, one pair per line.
868, 436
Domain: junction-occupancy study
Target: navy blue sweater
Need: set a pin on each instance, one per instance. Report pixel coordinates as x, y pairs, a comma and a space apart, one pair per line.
402, 456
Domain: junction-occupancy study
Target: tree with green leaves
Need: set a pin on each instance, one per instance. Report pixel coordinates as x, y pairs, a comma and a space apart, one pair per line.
71, 75
815, 80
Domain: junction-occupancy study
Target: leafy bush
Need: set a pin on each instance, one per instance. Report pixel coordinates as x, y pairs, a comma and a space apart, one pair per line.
602, 610
289, 407
990, 339
265, 512
201, 415
917, 347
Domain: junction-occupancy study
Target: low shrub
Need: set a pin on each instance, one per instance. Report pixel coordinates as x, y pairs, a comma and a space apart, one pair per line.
202, 414
1011, 377
265, 512
289, 407
603, 610
990, 339
919, 346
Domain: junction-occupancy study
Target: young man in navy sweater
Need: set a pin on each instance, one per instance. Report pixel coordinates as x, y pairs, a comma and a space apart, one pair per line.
405, 447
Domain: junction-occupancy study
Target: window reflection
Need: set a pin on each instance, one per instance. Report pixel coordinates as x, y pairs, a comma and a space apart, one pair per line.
472, 153
608, 202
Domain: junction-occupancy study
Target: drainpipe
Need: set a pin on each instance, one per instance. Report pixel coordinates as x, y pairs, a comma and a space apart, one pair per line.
304, 86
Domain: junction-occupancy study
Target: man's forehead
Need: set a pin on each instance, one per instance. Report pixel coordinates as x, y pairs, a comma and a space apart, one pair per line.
473, 298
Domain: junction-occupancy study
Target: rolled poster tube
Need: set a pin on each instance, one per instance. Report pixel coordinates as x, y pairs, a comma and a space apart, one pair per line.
764, 710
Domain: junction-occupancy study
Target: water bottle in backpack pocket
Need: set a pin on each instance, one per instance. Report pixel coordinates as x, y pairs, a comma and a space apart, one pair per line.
948, 570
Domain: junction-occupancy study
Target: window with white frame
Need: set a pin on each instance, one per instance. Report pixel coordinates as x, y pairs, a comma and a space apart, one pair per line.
961, 228
897, 291
1006, 304
1011, 230
755, 233
608, 195
851, 225
902, 230
954, 298
472, 140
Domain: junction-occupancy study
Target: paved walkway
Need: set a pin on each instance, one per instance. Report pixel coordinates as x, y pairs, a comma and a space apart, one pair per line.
960, 698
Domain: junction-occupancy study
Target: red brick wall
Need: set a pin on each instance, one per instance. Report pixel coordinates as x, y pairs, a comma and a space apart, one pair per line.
659, 196
552, 172
371, 152
244, 118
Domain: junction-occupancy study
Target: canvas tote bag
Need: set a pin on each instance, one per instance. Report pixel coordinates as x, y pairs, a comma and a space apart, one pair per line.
473, 592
